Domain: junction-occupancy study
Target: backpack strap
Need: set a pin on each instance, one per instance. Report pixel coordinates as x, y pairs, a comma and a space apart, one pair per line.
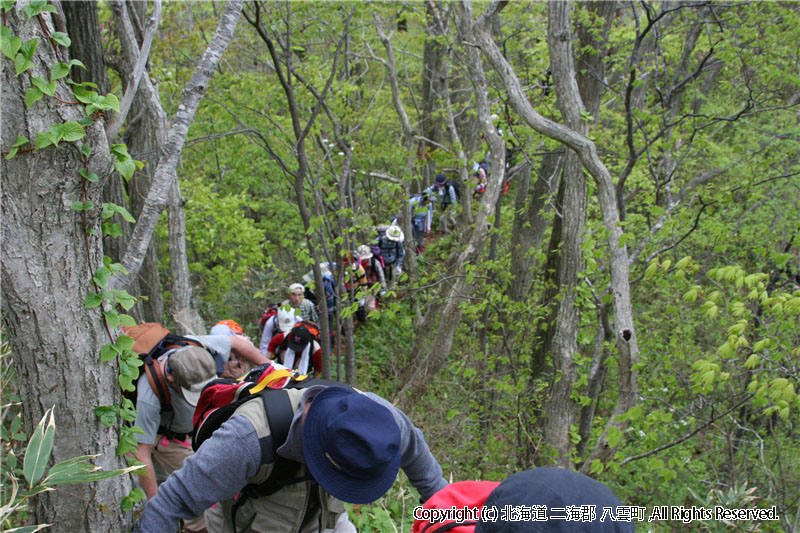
158, 382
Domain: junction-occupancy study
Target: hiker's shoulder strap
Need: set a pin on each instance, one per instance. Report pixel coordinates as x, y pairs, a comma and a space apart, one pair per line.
158, 382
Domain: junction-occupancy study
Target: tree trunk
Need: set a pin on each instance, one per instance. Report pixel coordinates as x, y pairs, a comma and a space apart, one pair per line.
625, 333
433, 76
46, 262
424, 369
144, 136
83, 26
530, 223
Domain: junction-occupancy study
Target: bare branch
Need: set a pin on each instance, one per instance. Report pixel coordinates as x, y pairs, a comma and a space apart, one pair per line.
115, 124
687, 436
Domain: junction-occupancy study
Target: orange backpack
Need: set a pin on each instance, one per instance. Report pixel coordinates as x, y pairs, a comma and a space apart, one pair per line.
151, 341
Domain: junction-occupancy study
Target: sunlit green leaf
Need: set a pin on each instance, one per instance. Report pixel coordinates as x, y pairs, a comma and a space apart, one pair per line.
39, 449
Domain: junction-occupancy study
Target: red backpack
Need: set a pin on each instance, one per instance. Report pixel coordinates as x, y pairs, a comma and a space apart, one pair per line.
455, 509
269, 312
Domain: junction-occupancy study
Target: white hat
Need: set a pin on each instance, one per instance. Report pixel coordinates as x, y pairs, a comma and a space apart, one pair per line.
295, 287
364, 252
286, 318
394, 233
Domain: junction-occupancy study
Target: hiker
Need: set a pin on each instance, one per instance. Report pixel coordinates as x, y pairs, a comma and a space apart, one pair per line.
447, 193
421, 216
390, 240
163, 443
236, 366
372, 264
298, 301
560, 493
283, 320
348, 446
480, 178
298, 349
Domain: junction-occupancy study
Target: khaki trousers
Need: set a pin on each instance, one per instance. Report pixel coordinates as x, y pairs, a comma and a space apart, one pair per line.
169, 454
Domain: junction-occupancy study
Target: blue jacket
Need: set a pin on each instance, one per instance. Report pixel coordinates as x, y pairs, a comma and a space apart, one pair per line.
392, 252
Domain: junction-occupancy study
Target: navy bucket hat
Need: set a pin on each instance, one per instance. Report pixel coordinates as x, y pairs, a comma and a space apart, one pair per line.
556, 489
351, 445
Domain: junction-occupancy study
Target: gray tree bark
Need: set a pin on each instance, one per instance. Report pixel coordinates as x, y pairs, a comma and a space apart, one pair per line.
83, 27
530, 224
46, 262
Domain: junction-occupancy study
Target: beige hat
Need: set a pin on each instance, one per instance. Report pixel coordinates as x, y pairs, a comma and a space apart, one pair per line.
296, 287
192, 368
364, 252
394, 233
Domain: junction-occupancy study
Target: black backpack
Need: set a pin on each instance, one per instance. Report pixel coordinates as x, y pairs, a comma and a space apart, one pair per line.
456, 185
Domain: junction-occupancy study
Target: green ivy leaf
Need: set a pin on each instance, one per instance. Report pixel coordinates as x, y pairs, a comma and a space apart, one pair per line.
36, 7
78, 63
88, 176
43, 140
61, 38
112, 317
72, 131
125, 342
130, 501
108, 353
86, 150
92, 300
21, 64
111, 209
125, 167
112, 229
9, 42
21, 140
112, 102
85, 96
82, 206
47, 88
59, 70
28, 48
101, 276
126, 320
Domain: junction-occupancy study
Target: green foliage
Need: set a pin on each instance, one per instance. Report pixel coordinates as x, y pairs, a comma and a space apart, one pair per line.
37, 455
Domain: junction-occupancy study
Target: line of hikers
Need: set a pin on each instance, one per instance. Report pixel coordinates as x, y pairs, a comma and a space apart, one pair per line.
273, 450
247, 438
